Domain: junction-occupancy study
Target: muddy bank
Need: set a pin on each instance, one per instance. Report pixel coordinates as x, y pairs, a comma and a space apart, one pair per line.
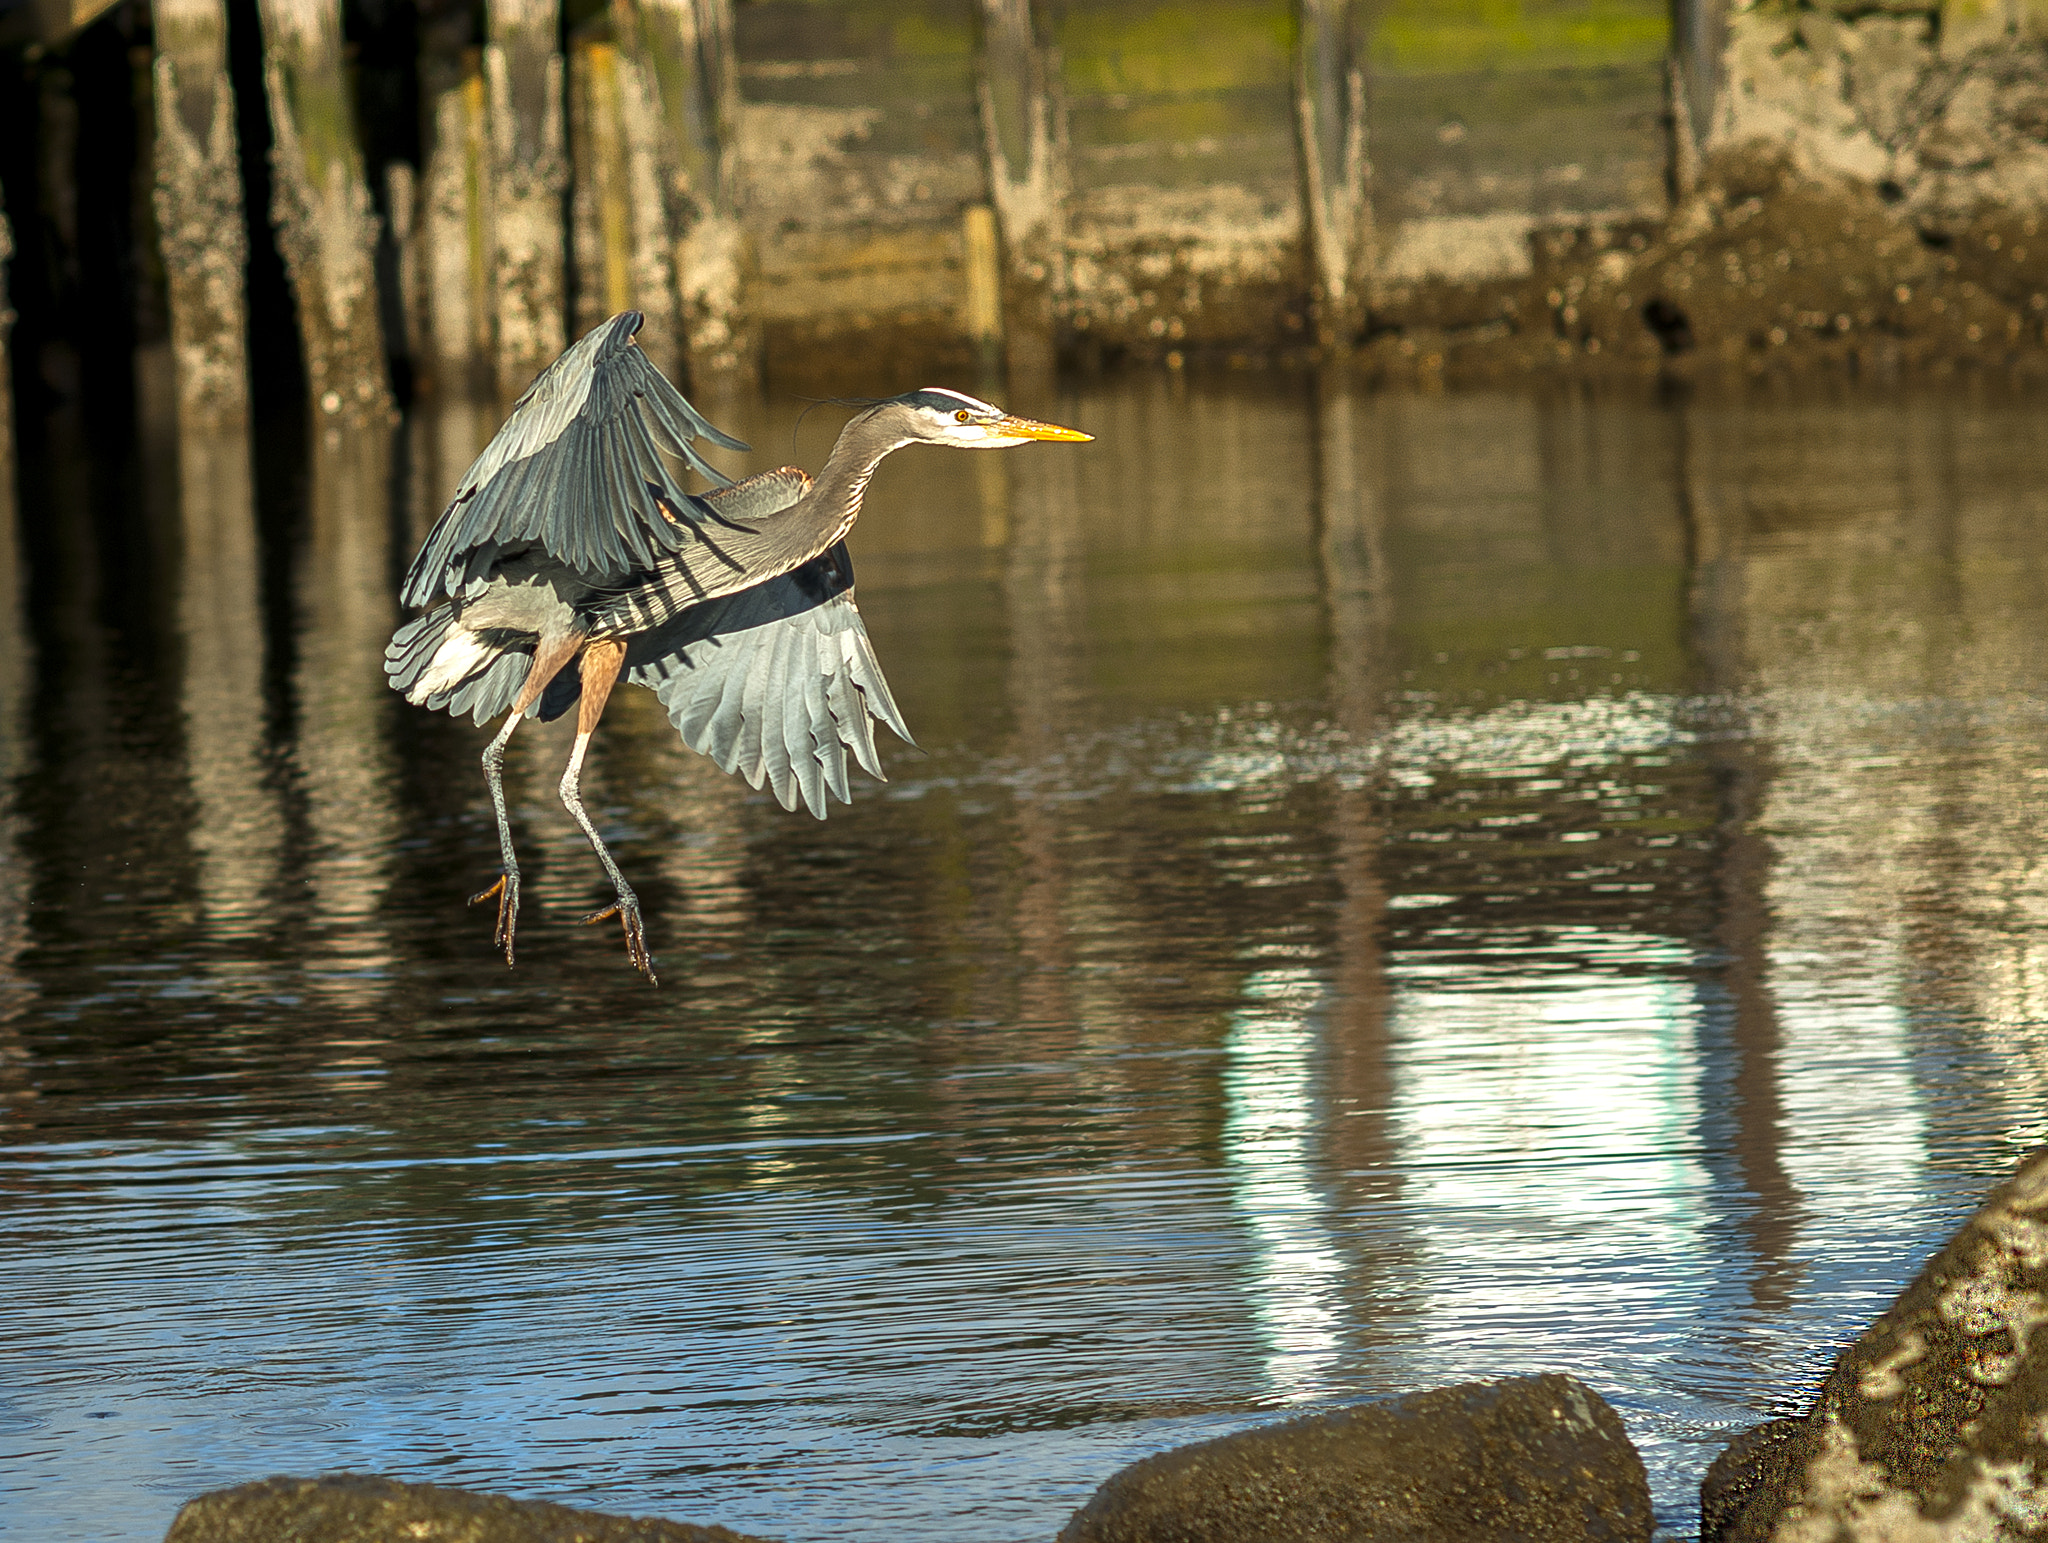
1766, 268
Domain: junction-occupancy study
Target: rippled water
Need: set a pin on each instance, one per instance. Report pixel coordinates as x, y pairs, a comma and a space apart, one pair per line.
1394, 890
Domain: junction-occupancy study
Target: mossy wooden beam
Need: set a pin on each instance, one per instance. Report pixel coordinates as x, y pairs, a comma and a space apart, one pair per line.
199, 212
529, 172
1024, 144
687, 50
460, 323
1329, 102
320, 204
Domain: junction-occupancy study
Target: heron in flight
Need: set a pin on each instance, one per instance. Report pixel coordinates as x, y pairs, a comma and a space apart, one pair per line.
571, 556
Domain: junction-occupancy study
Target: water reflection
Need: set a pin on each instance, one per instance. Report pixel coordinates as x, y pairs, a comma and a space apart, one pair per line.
1392, 889
238, 826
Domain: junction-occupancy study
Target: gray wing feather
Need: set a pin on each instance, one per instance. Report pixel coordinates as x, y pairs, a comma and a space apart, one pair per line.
776, 683
754, 531
601, 406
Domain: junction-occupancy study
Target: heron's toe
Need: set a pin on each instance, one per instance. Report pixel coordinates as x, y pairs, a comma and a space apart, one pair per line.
507, 892
627, 910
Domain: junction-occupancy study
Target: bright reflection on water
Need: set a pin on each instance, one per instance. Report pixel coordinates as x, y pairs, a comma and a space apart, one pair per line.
1394, 890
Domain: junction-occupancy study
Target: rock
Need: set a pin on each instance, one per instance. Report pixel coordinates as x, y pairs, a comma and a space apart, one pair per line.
362, 1508
1753, 1460
1933, 1426
1539, 1459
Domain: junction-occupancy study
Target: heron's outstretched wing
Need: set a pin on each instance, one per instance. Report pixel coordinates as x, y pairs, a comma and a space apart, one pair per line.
775, 683
758, 534
577, 471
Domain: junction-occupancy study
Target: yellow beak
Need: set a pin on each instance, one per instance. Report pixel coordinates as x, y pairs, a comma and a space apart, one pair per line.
1031, 428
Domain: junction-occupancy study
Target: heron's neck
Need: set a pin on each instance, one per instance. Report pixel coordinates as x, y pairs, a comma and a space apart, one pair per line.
843, 480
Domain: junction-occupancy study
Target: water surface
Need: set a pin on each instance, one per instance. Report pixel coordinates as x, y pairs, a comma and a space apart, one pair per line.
1393, 890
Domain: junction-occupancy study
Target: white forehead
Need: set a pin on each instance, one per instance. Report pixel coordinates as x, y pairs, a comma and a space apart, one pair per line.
974, 403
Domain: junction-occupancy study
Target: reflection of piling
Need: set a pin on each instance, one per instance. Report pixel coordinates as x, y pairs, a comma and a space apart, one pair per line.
199, 212
1329, 105
1024, 143
688, 49
346, 614
1350, 515
237, 827
529, 174
320, 204
1717, 606
458, 322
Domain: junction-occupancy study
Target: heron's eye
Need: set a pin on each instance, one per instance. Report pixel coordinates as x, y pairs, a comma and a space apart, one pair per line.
963, 416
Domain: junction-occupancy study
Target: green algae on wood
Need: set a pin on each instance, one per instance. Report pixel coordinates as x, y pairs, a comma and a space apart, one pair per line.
320, 204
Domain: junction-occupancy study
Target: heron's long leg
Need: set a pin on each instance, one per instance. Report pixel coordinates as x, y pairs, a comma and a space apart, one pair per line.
601, 663
548, 657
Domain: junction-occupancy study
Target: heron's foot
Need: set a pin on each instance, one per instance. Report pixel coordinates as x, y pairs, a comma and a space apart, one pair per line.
627, 910
507, 891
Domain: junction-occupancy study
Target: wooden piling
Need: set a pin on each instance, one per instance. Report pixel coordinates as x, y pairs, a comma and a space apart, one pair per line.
983, 312
6, 378
1024, 142
1329, 103
320, 205
402, 209
688, 49
199, 213
458, 322
529, 172
623, 245
600, 233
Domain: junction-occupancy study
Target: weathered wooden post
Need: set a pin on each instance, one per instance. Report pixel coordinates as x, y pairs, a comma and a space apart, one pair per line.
6, 382
1699, 33
983, 312
687, 45
529, 172
320, 204
402, 211
624, 246
1023, 134
199, 212
599, 179
1329, 104
460, 324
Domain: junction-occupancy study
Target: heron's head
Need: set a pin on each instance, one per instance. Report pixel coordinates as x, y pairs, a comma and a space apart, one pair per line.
936, 416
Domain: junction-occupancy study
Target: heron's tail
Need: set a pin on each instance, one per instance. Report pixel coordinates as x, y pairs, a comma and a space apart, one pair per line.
436, 662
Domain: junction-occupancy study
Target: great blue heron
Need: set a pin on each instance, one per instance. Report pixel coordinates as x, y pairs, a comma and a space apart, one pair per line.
570, 542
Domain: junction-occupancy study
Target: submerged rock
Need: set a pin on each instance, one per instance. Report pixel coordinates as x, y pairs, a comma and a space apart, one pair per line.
1932, 1427
362, 1508
1540, 1459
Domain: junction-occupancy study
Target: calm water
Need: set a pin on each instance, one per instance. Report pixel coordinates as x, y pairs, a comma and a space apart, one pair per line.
1394, 890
